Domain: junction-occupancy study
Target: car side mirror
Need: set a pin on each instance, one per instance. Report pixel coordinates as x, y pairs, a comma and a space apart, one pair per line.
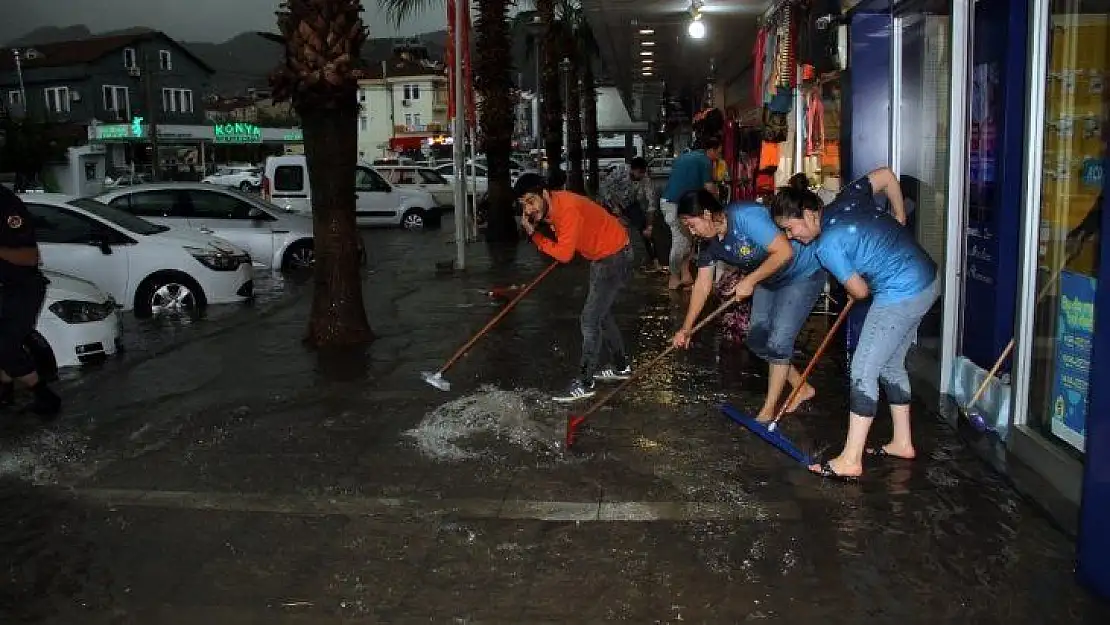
102, 244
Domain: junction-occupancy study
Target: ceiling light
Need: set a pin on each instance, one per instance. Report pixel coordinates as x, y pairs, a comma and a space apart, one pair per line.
647, 73
647, 43
696, 29
647, 31
646, 53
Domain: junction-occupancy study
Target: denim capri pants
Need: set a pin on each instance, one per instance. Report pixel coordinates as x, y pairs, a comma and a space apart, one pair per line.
778, 315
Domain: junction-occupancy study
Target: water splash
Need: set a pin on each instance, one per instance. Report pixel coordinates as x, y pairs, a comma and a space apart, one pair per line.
462, 429
42, 458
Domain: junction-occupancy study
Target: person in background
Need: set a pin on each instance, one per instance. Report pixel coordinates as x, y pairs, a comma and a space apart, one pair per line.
783, 279
627, 191
873, 256
561, 223
22, 291
690, 172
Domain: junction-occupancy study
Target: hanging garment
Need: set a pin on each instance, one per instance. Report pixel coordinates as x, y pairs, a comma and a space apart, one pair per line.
815, 122
758, 55
770, 57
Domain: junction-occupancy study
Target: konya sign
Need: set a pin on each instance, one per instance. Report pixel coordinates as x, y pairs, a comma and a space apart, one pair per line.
238, 132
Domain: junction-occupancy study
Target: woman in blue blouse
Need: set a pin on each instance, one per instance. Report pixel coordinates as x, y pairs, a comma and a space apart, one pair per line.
783, 279
869, 252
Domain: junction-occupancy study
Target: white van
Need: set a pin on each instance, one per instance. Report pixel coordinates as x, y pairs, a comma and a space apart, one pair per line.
377, 202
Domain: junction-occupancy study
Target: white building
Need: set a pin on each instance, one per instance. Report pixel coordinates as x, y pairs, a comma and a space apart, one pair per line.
404, 105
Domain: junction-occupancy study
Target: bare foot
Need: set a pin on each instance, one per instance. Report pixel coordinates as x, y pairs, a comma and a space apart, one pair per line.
890, 450
765, 416
837, 469
807, 394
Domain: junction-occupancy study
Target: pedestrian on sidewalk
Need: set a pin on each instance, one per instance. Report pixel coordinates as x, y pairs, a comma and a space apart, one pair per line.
627, 192
873, 256
22, 291
783, 280
690, 172
561, 224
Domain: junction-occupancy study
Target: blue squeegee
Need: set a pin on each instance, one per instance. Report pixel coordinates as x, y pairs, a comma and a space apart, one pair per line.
769, 431
775, 437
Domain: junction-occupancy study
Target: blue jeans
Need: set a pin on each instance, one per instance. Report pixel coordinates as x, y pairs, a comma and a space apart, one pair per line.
880, 357
778, 315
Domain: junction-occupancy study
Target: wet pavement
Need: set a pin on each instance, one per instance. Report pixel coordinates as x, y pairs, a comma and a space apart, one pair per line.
234, 477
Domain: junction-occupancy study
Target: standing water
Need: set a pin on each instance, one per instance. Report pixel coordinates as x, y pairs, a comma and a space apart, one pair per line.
465, 427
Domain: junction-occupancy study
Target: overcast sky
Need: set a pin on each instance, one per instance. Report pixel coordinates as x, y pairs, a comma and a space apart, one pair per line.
186, 20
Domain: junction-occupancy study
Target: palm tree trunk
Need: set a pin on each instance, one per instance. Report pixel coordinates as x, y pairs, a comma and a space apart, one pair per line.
493, 82
320, 72
331, 145
575, 181
552, 102
589, 125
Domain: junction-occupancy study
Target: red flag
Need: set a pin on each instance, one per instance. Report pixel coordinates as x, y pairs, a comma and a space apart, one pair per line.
449, 58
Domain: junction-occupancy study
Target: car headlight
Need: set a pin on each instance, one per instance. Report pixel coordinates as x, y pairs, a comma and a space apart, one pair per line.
77, 311
218, 260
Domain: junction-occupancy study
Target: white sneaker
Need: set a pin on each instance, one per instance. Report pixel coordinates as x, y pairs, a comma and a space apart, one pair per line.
578, 390
609, 374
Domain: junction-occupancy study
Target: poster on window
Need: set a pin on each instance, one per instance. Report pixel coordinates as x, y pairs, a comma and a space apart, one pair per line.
1074, 333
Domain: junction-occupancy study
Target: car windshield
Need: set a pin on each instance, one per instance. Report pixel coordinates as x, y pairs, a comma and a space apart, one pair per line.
124, 220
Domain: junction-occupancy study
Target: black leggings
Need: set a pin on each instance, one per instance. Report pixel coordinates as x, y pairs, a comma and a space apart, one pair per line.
19, 311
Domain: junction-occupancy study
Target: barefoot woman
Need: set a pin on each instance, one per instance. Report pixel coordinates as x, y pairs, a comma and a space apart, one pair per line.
872, 255
783, 279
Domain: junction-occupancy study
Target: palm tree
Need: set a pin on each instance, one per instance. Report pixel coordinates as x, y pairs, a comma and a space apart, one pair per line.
551, 87
590, 51
320, 74
493, 82
573, 21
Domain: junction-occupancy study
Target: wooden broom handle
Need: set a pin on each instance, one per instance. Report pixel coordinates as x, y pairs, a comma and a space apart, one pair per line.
816, 356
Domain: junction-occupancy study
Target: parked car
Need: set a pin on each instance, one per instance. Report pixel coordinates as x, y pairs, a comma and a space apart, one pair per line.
126, 180
79, 324
150, 268
480, 178
285, 182
275, 238
424, 178
243, 177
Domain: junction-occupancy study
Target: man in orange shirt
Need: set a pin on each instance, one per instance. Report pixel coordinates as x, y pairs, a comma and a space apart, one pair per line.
561, 223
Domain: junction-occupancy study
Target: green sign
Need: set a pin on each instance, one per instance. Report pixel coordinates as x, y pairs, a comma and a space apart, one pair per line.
121, 132
293, 135
238, 132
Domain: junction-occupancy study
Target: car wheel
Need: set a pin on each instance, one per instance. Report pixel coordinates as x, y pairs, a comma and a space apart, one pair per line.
413, 219
46, 365
245, 187
299, 256
168, 294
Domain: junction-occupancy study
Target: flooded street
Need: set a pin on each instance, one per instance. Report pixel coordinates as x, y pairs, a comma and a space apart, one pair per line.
220, 473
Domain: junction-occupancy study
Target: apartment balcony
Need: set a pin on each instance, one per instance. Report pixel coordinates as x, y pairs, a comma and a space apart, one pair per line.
439, 105
420, 129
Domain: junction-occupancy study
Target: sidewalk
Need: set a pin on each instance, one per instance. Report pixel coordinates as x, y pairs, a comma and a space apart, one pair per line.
237, 480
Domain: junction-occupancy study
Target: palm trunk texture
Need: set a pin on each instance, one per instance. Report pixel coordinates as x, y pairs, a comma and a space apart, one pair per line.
552, 103
493, 82
589, 124
323, 39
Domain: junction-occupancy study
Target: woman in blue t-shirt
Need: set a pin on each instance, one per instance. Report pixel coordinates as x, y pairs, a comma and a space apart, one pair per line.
869, 252
783, 279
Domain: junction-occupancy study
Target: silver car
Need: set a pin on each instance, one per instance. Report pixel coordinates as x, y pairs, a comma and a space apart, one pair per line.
275, 238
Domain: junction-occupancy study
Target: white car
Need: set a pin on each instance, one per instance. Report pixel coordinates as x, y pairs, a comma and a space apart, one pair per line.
79, 322
479, 181
148, 268
275, 239
243, 177
377, 202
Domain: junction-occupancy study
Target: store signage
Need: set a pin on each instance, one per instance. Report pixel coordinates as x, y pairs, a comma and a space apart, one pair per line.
238, 132
1074, 334
293, 135
120, 132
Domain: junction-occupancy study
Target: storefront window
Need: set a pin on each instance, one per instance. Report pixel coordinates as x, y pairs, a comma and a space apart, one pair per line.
922, 149
1074, 151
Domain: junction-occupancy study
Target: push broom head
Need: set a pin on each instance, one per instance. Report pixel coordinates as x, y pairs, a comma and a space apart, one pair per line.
573, 421
436, 379
774, 437
977, 420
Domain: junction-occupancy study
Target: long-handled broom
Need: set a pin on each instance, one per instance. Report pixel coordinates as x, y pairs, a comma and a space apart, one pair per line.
769, 431
576, 420
436, 378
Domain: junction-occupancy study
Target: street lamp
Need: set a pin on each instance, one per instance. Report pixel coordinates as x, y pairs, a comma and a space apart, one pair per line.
696, 30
